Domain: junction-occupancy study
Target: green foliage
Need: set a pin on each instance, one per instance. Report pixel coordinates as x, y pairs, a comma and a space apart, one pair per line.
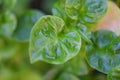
59, 10
25, 24
104, 54
114, 74
21, 6
8, 4
49, 43
8, 23
59, 45
85, 11
13, 54
77, 66
84, 32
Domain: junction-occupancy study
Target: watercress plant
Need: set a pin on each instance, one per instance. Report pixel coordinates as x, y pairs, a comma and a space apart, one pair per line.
58, 39
48, 43
63, 33
79, 41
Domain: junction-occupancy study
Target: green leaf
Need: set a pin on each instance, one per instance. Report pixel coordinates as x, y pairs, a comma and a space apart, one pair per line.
58, 10
73, 8
104, 54
8, 23
67, 76
8, 4
86, 11
114, 74
25, 24
21, 6
49, 43
77, 66
84, 32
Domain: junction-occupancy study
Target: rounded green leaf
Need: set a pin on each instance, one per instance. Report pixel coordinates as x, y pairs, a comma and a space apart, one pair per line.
8, 23
67, 76
114, 74
48, 41
25, 24
104, 54
87, 11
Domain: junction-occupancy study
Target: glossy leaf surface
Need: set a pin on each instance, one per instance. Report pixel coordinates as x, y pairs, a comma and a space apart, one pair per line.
25, 24
87, 11
49, 43
104, 54
8, 23
114, 74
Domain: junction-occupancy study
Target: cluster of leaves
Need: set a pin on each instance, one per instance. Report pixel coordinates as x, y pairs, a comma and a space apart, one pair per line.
63, 38
58, 38
64, 30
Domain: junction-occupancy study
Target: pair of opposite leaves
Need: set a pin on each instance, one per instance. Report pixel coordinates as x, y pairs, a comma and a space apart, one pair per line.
55, 39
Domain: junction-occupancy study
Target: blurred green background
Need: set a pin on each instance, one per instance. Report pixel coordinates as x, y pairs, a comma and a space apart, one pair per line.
17, 16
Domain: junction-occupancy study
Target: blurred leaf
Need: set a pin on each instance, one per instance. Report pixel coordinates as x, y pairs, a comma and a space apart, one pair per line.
8, 23
25, 24
8, 4
67, 76
77, 66
47, 5
50, 44
114, 74
21, 6
52, 73
104, 54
